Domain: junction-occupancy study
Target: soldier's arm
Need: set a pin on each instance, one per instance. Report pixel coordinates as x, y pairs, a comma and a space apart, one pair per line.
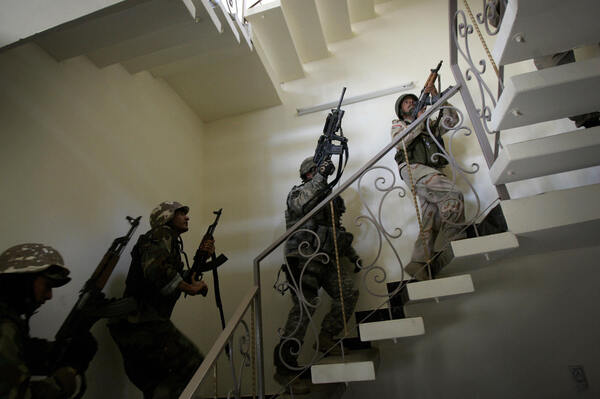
449, 119
15, 372
398, 128
302, 199
156, 265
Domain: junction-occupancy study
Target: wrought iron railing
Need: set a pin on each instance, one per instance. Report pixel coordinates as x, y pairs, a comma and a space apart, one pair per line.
463, 25
228, 346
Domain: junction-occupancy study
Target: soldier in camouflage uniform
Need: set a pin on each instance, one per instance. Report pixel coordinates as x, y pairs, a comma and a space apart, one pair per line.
441, 203
318, 272
28, 272
157, 357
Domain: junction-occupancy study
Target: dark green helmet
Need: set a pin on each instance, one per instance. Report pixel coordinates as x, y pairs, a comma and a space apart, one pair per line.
306, 166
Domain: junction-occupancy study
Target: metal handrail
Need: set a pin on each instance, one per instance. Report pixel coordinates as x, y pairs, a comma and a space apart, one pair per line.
219, 345
343, 186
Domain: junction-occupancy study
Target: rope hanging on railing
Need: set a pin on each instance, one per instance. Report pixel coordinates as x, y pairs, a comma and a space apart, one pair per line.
216, 381
413, 191
485, 47
253, 349
337, 261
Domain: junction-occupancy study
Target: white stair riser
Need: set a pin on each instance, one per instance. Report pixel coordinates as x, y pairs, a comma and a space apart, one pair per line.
548, 94
343, 372
390, 329
533, 28
438, 288
541, 157
473, 253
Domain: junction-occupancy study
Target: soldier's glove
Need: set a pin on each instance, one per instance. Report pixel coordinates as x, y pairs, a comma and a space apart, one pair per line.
80, 352
326, 168
208, 246
66, 379
357, 262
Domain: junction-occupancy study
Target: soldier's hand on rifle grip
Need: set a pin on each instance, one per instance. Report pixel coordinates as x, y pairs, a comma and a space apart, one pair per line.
195, 287
326, 168
431, 89
208, 246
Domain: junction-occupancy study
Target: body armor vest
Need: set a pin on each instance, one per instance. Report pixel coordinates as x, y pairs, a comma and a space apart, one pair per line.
422, 149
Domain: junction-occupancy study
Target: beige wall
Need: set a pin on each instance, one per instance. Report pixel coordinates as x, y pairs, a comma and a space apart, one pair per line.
81, 149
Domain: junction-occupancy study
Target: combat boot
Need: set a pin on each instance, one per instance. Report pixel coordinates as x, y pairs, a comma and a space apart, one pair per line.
285, 375
417, 270
329, 344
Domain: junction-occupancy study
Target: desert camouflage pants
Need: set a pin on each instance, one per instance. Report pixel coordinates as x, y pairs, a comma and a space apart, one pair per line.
318, 275
157, 357
442, 211
565, 57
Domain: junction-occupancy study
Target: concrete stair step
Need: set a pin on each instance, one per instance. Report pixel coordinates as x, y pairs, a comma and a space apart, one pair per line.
532, 28
473, 253
361, 10
540, 96
438, 288
271, 30
561, 219
577, 149
390, 329
335, 19
305, 29
355, 366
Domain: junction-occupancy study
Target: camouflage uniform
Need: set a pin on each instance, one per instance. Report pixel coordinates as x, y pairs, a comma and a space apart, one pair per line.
20, 355
441, 203
157, 357
300, 201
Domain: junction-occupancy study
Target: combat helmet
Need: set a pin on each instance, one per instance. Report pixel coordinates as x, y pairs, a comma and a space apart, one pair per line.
306, 166
399, 103
164, 212
35, 258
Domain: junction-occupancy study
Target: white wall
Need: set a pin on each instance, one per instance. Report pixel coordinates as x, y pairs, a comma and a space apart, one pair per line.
81, 149
23, 18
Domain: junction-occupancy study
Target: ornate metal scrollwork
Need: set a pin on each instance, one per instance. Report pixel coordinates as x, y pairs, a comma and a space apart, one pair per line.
463, 30
308, 254
377, 273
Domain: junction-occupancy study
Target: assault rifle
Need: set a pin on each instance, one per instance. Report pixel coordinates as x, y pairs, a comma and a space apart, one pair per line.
201, 265
92, 304
426, 98
325, 146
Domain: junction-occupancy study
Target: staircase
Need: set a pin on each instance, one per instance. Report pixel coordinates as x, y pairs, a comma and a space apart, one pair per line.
199, 48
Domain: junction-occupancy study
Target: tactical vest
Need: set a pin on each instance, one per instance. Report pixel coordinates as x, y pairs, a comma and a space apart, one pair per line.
150, 300
421, 150
321, 225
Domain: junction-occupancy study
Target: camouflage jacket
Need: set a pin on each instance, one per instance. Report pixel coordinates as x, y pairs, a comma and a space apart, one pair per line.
419, 143
301, 200
21, 357
155, 273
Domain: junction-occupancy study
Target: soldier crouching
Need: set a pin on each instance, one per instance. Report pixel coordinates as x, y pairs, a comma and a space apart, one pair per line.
157, 357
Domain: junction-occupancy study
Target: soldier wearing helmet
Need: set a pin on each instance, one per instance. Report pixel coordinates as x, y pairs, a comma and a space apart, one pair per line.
28, 273
316, 273
441, 203
157, 357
